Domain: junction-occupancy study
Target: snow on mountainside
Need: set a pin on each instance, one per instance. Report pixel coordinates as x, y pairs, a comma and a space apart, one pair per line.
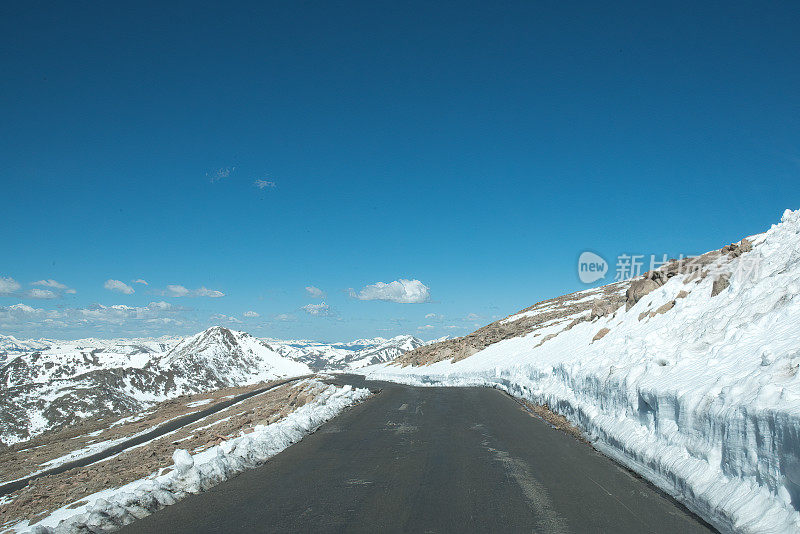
688, 375
344, 356
228, 358
69, 381
47, 384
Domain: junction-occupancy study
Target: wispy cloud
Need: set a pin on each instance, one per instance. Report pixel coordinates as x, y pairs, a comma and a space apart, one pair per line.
285, 317
251, 314
318, 310
203, 292
425, 327
37, 293
315, 292
118, 286
222, 318
141, 281
264, 184
110, 320
402, 291
8, 286
220, 174
177, 290
50, 283
55, 287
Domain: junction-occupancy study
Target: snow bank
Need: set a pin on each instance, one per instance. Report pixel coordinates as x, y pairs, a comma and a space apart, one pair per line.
114, 508
703, 400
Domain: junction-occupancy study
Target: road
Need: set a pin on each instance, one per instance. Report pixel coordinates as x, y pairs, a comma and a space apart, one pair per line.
431, 460
158, 431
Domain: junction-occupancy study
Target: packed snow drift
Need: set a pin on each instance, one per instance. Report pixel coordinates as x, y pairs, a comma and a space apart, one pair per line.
689, 377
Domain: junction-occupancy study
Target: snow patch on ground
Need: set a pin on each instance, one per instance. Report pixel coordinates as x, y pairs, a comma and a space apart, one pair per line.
113, 508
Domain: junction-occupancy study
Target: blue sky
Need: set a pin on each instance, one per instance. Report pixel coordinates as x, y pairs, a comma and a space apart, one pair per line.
476, 148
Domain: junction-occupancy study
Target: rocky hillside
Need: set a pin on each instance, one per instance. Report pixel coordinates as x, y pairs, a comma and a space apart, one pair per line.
548, 318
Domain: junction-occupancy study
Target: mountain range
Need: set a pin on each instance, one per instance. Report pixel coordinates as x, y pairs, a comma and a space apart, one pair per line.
48, 384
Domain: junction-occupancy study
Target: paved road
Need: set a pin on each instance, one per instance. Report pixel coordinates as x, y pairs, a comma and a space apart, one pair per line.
431, 460
165, 428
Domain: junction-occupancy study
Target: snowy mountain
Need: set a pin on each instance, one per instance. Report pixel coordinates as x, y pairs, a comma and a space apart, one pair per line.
46, 384
228, 358
344, 356
687, 375
68, 381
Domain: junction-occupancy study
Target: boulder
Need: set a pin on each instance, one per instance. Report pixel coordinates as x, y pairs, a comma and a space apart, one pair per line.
600, 308
638, 289
664, 308
599, 335
720, 283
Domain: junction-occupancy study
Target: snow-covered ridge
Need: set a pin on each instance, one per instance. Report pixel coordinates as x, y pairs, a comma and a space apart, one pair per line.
47, 384
344, 356
693, 384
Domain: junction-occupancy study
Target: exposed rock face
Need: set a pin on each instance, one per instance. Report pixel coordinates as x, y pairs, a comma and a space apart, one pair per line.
601, 308
733, 250
720, 284
664, 308
640, 288
600, 334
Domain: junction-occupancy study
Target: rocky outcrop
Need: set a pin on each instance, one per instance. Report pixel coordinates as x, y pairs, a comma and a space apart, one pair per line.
600, 334
720, 284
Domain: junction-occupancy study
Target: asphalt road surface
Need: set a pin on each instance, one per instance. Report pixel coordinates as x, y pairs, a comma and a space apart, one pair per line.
431, 460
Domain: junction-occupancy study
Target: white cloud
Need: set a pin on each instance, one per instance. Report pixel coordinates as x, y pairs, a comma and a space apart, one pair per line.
221, 317
203, 292
49, 283
141, 281
434, 316
116, 285
425, 327
56, 288
176, 290
315, 292
285, 317
41, 294
218, 174
402, 291
251, 313
8, 286
263, 184
160, 305
118, 319
319, 310
472, 317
